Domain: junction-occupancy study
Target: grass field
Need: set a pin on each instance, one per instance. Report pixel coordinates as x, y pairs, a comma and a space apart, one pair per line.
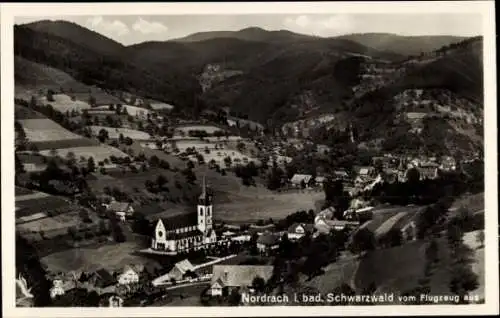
336, 274
44, 204
114, 133
22, 113
66, 143
394, 269
131, 110
63, 103
208, 128
99, 153
50, 224
45, 130
112, 257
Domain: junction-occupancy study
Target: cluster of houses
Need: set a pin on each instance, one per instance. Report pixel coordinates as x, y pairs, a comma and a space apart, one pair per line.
384, 169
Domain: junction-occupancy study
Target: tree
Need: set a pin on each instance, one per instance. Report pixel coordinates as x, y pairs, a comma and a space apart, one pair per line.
258, 283
103, 135
161, 180
362, 240
50, 95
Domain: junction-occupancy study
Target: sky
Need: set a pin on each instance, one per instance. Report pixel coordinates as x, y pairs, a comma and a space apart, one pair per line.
132, 29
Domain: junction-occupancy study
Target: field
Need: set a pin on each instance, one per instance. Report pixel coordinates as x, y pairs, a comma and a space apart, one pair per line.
26, 206
101, 97
219, 155
21, 112
158, 105
395, 269
185, 129
114, 133
112, 257
34, 75
45, 130
131, 110
66, 143
336, 274
99, 153
262, 207
50, 225
63, 103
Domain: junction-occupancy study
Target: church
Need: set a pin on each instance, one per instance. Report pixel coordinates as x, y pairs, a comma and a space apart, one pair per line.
187, 232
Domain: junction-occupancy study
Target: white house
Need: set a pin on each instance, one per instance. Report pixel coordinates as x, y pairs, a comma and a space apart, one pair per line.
298, 179
298, 230
130, 274
121, 209
237, 276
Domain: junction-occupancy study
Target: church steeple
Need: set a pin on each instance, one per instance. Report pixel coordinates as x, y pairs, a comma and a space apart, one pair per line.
205, 198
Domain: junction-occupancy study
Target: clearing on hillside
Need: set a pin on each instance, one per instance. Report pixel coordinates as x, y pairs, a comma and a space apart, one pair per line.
64, 103
39, 130
99, 153
207, 128
114, 133
131, 110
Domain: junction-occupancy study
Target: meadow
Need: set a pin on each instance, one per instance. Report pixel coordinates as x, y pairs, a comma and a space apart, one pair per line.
207, 128
113, 257
99, 153
114, 133
64, 103
45, 130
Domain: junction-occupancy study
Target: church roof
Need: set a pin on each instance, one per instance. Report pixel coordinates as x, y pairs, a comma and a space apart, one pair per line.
178, 236
180, 221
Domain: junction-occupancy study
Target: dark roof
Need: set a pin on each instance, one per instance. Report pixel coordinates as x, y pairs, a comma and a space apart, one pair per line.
180, 221
178, 236
268, 239
104, 278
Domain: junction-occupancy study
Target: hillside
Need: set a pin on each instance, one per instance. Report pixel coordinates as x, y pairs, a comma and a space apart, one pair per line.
279, 77
81, 36
404, 45
107, 71
247, 34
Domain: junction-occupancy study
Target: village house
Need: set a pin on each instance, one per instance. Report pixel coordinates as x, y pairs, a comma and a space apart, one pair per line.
319, 181
101, 281
62, 283
301, 180
130, 275
24, 297
428, 171
298, 230
448, 164
122, 210
226, 278
187, 232
267, 242
325, 226
180, 269
341, 175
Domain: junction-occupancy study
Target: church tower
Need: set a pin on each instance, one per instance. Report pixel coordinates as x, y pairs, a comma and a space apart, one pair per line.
204, 210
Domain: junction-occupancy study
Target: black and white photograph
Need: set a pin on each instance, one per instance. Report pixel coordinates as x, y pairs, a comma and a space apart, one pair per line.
198, 158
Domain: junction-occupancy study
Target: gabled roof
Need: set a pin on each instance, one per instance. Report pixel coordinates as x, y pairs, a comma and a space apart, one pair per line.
180, 221
184, 266
119, 206
104, 278
139, 268
240, 275
298, 178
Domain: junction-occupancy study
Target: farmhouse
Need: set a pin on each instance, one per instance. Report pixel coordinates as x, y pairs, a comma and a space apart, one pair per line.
325, 226
188, 232
228, 277
121, 209
298, 230
180, 269
299, 180
101, 281
130, 274
267, 242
